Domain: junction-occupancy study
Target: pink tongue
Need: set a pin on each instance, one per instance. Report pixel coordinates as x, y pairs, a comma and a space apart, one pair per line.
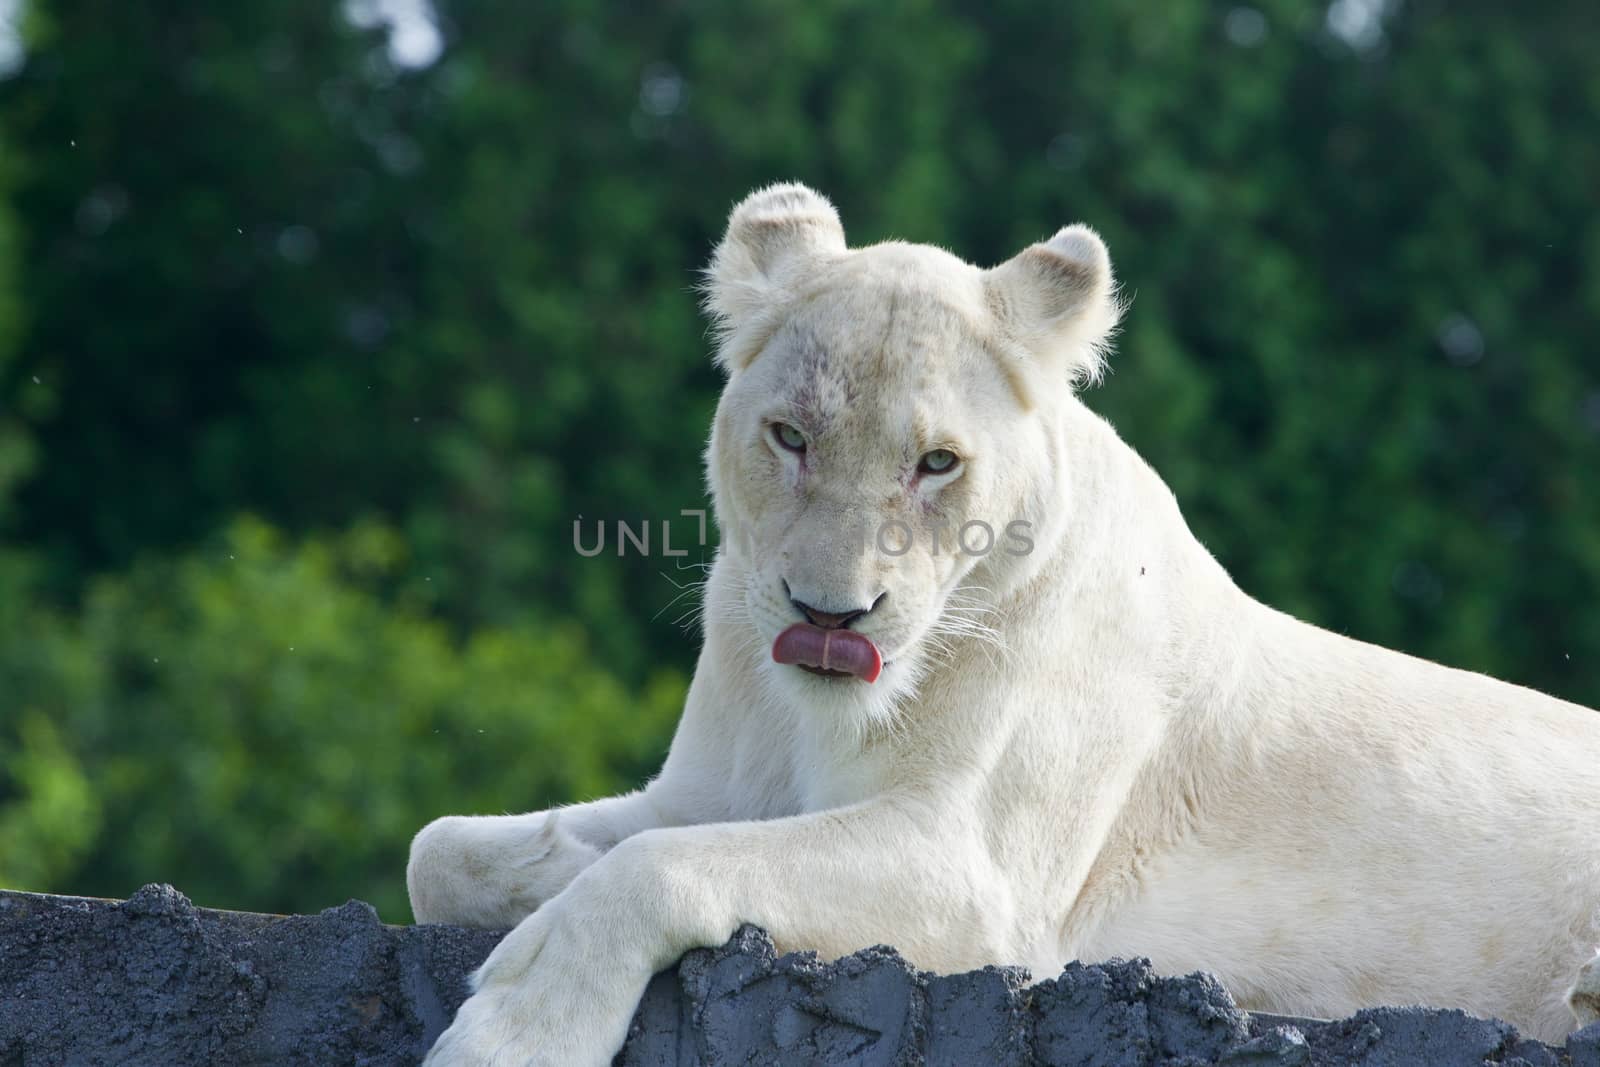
832, 650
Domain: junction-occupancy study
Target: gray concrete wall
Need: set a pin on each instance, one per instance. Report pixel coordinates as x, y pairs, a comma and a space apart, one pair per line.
155, 980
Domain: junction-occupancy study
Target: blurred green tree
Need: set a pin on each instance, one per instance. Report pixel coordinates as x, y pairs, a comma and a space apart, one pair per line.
252, 724
212, 241
16, 439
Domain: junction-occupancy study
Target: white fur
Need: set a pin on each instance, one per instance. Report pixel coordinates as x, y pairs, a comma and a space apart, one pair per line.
1098, 748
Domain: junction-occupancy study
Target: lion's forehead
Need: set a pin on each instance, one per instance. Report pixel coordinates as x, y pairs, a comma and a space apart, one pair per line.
880, 347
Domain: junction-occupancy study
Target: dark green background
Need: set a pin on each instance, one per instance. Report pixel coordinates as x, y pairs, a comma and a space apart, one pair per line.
309, 360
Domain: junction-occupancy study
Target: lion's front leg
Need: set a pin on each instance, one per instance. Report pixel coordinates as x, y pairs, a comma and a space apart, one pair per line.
563, 986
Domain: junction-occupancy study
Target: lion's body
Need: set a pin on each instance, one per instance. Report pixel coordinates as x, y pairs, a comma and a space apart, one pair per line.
1098, 747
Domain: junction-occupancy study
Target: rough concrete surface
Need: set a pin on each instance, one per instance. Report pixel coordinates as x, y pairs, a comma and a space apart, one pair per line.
155, 980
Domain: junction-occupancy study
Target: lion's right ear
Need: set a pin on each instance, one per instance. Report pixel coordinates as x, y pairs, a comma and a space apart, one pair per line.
772, 234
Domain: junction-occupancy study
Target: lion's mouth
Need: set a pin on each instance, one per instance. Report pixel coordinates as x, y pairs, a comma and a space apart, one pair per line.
831, 653
822, 672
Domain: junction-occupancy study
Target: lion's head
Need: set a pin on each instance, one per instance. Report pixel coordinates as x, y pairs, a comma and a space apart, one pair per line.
886, 456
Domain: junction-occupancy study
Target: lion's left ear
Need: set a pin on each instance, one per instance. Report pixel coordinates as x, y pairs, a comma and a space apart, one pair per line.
1059, 300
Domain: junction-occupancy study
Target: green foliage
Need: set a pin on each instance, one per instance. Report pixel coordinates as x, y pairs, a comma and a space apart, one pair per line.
248, 266
16, 441
252, 723
49, 827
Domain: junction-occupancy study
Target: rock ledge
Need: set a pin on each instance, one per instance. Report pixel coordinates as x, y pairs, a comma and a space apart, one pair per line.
155, 980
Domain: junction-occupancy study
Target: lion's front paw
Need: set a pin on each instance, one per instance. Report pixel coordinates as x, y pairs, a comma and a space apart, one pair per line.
499, 1028
544, 999
492, 871
486, 1033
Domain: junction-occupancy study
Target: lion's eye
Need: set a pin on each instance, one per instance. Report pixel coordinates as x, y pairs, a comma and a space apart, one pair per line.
789, 437
939, 461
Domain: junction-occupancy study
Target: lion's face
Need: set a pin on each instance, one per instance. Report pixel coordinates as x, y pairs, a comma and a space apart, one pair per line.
884, 456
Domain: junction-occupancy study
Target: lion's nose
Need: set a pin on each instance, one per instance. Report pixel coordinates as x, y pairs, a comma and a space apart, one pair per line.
832, 620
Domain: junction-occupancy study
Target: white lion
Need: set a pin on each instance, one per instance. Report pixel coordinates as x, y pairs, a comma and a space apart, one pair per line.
1084, 742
